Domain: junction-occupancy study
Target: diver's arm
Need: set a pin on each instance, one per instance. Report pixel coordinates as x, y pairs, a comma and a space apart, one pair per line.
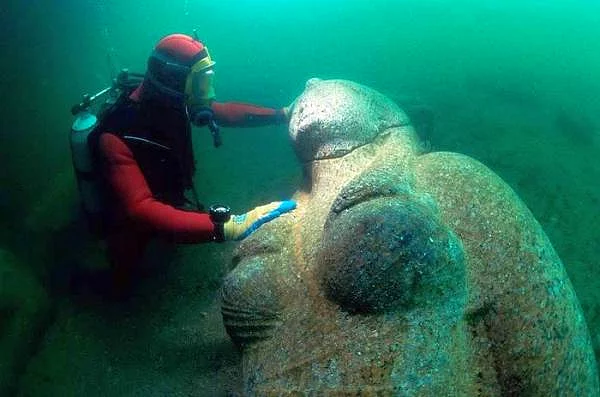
235, 114
135, 199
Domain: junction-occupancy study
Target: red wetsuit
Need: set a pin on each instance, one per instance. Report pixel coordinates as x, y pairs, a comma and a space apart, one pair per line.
138, 215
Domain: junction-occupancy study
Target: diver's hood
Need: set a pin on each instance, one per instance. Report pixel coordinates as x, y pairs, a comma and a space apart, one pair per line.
152, 91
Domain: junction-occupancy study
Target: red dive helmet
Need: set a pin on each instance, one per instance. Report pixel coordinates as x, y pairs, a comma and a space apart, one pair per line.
181, 67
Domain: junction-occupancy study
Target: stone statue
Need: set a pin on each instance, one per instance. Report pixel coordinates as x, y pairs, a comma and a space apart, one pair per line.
401, 272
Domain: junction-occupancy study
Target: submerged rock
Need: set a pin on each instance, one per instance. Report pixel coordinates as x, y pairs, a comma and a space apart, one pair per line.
401, 272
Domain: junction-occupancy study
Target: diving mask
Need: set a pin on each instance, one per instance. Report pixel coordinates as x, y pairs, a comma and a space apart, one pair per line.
199, 93
199, 87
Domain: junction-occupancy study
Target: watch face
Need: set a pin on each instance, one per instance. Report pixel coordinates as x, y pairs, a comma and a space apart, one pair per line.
219, 213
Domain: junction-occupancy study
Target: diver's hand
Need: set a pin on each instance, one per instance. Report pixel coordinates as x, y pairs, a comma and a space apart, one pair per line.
287, 110
238, 227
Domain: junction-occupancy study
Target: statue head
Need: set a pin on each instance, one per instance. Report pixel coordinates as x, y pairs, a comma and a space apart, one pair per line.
331, 118
400, 272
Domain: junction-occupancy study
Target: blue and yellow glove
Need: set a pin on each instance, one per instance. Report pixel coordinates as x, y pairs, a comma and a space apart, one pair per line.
238, 227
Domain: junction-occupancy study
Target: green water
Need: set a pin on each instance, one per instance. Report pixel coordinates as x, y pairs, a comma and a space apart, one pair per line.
515, 84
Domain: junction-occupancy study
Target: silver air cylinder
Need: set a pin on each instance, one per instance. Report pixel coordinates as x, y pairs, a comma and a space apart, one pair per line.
84, 124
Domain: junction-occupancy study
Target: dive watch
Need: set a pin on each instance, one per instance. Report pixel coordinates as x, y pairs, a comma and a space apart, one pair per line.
219, 214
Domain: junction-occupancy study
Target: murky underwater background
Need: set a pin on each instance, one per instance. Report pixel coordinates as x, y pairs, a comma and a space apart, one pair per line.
514, 84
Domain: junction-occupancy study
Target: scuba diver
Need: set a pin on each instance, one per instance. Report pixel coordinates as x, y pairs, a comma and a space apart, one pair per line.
142, 149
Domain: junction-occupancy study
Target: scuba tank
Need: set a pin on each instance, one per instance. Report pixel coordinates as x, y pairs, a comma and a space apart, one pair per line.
83, 126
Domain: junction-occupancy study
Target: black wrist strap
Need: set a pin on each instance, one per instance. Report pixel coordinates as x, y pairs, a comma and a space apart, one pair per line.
219, 235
